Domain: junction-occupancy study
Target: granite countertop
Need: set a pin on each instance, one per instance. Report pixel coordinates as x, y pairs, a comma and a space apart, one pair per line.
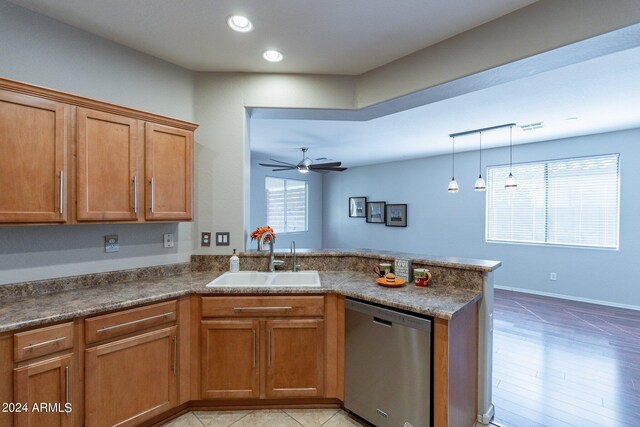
438, 301
441, 261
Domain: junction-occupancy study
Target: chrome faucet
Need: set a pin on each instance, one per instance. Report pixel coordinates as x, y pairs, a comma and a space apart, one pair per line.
272, 261
295, 265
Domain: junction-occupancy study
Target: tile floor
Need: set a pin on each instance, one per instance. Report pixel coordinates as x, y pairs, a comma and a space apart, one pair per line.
266, 418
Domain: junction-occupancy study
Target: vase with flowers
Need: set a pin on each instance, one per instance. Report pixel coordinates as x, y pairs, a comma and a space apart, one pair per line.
258, 232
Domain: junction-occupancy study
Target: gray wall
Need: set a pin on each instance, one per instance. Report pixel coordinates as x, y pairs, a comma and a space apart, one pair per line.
311, 239
440, 223
41, 51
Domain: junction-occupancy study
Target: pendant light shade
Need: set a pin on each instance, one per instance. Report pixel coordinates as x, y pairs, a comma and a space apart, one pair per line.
453, 184
480, 184
511, 183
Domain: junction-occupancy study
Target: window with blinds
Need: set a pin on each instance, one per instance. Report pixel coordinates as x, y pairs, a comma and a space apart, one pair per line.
286, 204
559, 202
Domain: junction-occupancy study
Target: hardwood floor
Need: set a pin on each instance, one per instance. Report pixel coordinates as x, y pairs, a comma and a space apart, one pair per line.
564, 363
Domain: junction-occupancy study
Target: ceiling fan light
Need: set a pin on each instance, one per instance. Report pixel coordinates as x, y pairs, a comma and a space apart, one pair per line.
303, 169
480, 184
453, 186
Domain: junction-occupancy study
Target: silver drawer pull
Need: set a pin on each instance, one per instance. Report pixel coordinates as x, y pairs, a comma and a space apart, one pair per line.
66, 388
261, 308
169, 313
152, 207
61, 192
254, 348
40, 344
175, 354
135, 194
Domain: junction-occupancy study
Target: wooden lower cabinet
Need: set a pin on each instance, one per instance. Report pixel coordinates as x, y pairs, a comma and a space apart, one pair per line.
45, 388
260, 358
295, 358
131, 380
230, 354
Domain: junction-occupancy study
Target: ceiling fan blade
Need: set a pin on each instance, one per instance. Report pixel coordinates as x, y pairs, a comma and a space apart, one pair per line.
325, 165
329, 169
274, 166
283, 169
284, 163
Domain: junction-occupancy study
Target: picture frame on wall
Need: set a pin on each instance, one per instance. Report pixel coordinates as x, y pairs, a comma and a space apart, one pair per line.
396, 215
376, 212
357, 207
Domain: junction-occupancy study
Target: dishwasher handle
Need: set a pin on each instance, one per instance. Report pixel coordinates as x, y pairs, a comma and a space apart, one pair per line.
382, 322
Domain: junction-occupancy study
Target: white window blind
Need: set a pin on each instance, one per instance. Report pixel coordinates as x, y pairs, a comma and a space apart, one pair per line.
286, 204
559, 202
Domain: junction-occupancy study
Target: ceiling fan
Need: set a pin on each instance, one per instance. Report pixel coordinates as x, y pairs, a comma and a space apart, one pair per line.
305, 165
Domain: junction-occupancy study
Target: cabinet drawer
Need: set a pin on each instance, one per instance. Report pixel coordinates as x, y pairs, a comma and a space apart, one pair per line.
125, 322
43, 341
278, 306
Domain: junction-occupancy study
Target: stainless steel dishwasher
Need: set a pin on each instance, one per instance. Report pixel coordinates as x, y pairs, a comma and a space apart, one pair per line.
387, 366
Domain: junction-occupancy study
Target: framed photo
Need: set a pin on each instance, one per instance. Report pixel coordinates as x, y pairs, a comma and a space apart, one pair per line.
396, 216
357, 207
375, 212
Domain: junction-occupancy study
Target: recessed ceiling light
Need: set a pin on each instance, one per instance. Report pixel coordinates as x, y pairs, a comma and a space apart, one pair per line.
240, 23
272, 55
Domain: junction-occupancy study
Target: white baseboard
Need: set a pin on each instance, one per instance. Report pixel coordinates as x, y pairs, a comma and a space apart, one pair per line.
568, 297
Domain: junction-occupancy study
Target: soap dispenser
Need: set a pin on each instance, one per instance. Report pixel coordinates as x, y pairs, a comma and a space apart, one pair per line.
234, 263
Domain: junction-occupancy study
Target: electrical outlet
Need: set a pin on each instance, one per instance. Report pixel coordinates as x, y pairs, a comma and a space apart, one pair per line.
553, 276
168, 240
111, 243
205, 238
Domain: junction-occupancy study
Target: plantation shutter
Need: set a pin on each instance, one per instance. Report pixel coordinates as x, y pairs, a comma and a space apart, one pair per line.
286, 201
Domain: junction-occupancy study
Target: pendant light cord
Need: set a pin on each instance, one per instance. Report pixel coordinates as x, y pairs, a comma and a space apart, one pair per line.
453, 157
510, 148
480, 165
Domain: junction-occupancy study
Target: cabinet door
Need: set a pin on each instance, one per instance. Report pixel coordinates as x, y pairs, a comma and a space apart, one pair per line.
131, 380
295, 358
33, 144
230, 366
46, 389
169, 173
107, 164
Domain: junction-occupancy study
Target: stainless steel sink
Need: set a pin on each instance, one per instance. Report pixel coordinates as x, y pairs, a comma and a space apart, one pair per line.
260, 279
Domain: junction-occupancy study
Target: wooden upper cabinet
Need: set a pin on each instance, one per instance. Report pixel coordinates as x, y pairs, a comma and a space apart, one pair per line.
33, 145
107, 167
169, 173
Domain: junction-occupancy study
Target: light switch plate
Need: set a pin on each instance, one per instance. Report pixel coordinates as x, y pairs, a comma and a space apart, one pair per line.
111, 243
168, 240
222, 239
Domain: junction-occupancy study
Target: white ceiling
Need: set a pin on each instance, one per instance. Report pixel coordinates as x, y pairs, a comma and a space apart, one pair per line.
603, 93
323, 37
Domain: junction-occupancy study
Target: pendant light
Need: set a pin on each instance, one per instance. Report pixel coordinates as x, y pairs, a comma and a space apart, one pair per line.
480, 184
453, 185
511, 181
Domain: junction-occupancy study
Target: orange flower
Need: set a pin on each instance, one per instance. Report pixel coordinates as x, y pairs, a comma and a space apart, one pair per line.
258, 232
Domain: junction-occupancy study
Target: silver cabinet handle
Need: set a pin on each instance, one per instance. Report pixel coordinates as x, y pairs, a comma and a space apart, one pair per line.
254, 348
151, 189
269, 349
135, 194
133, 322
40, 344
66, 388
261, 308
61, 191
175, 354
